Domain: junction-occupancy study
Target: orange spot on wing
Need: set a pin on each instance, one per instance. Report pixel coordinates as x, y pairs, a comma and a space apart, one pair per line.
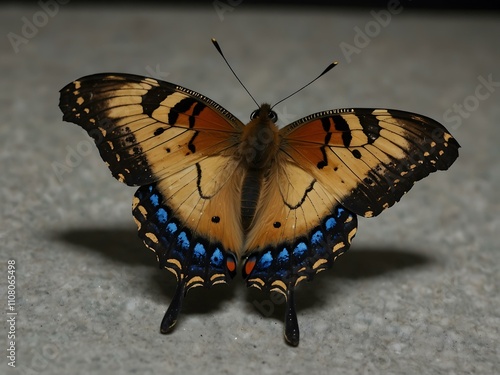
230, 264
210, 120
249, 265
313, 132
209, 140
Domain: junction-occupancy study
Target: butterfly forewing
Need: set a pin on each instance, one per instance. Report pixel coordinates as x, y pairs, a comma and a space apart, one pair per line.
147, 129
369, 158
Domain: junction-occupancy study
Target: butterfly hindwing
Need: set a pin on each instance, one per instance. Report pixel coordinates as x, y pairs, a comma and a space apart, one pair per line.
369, 158
197, 260
283, 266
191, 221
204, 197
194, 259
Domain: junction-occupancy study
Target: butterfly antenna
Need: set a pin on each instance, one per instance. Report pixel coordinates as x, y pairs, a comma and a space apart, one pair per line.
328, 68
216, 44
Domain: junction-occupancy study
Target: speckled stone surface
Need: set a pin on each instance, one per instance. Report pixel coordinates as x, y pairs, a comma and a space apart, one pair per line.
418, 293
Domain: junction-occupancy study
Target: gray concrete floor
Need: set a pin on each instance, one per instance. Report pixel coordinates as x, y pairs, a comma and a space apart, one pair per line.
417, 293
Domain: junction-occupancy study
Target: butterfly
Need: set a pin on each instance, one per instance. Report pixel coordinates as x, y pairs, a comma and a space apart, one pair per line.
216, 195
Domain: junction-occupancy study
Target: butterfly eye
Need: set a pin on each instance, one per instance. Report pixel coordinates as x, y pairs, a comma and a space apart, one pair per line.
272, 116
254, 114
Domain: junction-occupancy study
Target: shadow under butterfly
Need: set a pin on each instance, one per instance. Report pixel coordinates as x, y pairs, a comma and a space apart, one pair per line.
215, 193
118, 246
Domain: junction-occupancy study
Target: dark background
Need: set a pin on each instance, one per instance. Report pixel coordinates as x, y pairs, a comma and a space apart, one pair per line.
409, 4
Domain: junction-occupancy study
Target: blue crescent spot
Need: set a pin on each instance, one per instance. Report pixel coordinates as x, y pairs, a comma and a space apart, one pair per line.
283, 256
162, 216
150, 188
172, 228
340, 211
317, 238
299, 250
330, 223
216, 258
154, 199
199, 250
265, 260
183, 241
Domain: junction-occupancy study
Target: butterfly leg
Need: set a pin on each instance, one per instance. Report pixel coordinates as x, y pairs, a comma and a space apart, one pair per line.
291, 323
170, 318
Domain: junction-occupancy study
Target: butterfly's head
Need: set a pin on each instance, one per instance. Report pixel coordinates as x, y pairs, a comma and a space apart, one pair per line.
263, 113
260, 138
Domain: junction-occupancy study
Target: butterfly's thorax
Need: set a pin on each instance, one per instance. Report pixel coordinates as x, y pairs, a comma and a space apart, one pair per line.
259, 141
257, 150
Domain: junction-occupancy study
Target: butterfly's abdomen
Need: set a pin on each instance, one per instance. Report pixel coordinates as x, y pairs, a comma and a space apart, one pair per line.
257, 152
249, 196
